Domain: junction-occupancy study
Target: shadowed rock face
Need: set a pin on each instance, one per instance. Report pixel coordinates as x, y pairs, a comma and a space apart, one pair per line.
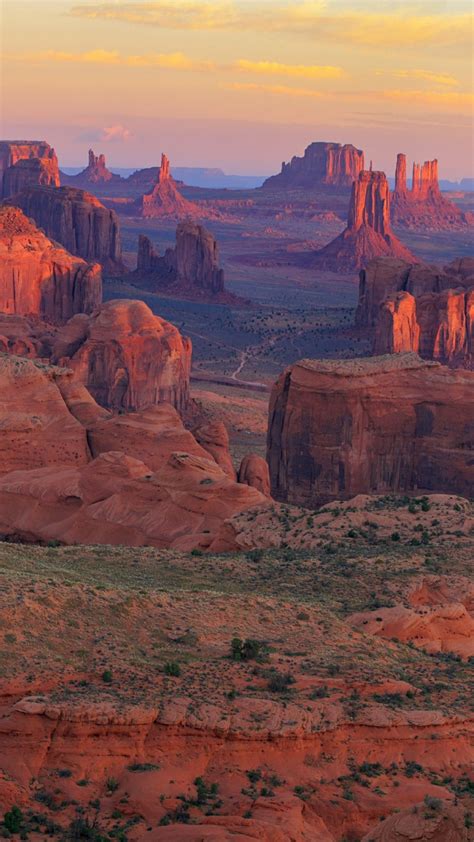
254, 471
127, 357
393, 423
77, 220
368, 233
423, 206
26, 163
39, 277
424, 309
322, 164
192, 265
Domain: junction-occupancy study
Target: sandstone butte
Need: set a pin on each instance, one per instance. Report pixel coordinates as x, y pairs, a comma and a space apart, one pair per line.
394, 423
26, 163
165, 201
127, 357
423, 309
96, 172
368, 233
323, 164
39, 277
192, 266
423, 206
77, 220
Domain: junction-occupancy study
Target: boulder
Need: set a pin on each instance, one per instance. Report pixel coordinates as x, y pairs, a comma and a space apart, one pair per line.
254, 471
214, 438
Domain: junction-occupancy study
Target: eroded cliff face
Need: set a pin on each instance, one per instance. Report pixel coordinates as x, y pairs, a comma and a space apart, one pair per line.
322, 164
77, 220
368, 233
423, 206
127, 357
26, 163
424, 309
381, 424
192, 267
39, 277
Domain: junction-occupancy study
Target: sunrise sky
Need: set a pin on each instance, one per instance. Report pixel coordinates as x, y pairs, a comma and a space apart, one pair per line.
240, 84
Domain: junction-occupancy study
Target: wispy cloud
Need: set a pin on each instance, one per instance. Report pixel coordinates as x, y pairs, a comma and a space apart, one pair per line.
424, 75
404, 26
282, 90
275, 68
170, 61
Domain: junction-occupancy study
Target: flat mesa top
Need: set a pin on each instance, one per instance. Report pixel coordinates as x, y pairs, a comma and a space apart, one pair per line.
368, 365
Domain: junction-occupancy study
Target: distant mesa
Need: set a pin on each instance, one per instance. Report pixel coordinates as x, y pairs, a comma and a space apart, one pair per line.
368, 233
423, 309
96, 172
423, 206
26, 163
39, 277
323, 164
393, 423
77, 220
165, 200
191, 268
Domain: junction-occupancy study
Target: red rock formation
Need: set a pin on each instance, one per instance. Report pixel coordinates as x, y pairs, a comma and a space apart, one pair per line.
432, 820
77, 220
165, 201
26, 163
438, 326
368, 233
127, 357
119, 500
423, 206
393, 423
384, 276
37, 276
254, 471
192, 267
96, 172
214, 438
322, 164
150, 435
36, 427
419, 308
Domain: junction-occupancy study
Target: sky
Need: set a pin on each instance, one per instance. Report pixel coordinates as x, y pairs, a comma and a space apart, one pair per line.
240, 84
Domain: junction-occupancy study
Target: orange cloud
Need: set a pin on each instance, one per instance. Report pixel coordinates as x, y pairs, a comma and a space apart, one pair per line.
91, 57
275, 68
284, 90
321, 21
170, 61
425, 75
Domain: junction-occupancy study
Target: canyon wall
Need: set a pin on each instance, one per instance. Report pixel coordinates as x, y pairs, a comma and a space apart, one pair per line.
382, 424
39, 277
77, 220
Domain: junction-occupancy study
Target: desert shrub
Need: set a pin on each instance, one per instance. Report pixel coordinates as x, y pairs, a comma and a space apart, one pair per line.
172, 668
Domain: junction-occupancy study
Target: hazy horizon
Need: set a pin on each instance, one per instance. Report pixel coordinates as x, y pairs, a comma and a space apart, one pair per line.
241, 85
